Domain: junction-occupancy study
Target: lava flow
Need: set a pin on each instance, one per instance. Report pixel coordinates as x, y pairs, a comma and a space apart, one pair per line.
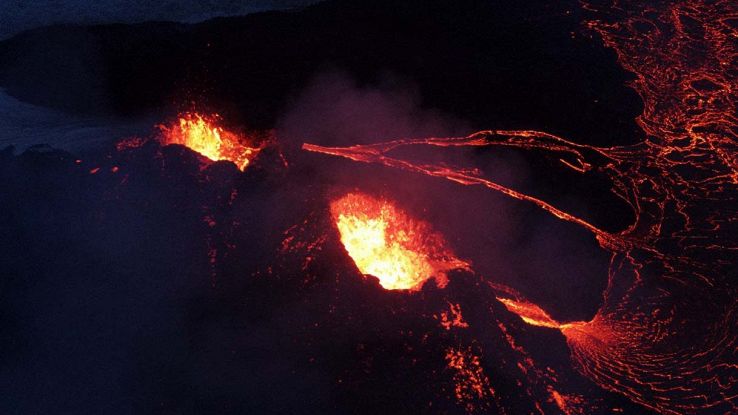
385, 242
530, 313
665, 335
203, 135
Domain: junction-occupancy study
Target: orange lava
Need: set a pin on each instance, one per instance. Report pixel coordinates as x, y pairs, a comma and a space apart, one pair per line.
453, 318
471, 384
385, 242
530, 313
203, 134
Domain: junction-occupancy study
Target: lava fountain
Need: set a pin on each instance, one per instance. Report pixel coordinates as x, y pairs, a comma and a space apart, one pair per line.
403, 253
203, 135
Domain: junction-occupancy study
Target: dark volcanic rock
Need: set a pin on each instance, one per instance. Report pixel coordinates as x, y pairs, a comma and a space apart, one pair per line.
141, 281
504, 65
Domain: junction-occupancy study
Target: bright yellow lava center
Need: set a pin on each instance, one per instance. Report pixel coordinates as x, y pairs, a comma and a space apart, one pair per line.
384, 242
202, 135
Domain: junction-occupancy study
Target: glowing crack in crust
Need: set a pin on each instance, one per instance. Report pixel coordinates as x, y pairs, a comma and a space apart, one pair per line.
471, 384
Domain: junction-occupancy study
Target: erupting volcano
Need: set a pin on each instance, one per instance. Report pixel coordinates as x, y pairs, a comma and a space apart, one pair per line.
571, 257
403, 253
204, 135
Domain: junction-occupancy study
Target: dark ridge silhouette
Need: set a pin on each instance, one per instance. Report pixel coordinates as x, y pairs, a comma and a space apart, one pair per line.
507, 65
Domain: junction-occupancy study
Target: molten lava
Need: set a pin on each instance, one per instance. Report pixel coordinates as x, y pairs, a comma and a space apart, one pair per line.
530, 313
203, 135
470, 382
385, 242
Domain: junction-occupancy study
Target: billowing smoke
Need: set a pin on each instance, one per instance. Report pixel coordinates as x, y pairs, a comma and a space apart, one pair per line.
334, 109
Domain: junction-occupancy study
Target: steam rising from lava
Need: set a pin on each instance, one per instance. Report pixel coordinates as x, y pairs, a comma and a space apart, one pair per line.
203, 135
385, 242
